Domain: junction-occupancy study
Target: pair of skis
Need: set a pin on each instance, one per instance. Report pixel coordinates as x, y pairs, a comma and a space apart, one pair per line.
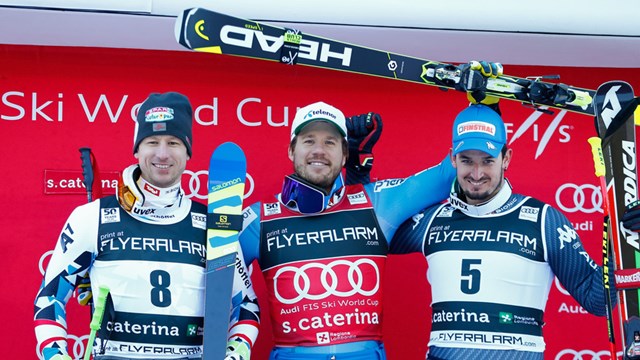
614, 104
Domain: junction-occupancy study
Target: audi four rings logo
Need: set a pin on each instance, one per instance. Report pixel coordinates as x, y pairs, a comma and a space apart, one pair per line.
570, 354
332, 276
196, 185
586, 198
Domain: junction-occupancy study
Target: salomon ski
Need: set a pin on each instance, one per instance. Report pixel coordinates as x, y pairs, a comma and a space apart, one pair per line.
227, 174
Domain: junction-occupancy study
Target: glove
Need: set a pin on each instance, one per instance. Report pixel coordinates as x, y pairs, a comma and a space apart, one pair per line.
363, 130
238, 349
83, 291
631, 216
473, 80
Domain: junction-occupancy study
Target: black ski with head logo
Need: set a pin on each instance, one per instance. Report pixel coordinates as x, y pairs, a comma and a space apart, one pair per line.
208, 31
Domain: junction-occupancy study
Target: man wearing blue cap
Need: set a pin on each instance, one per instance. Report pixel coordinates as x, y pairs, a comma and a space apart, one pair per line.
493, 254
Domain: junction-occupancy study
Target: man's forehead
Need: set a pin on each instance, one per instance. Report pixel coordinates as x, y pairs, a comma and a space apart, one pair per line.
319, 126
162, 137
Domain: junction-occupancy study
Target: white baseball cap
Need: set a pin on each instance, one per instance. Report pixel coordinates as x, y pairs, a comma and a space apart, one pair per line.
318, 111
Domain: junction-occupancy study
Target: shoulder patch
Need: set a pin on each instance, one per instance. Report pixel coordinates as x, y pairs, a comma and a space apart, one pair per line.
109, 215
271, 208
529, 213
357, 198
199, 220
446, 211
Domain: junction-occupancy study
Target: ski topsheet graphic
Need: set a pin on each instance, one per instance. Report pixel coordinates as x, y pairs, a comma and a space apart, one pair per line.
227, 174
208, 31
614, 104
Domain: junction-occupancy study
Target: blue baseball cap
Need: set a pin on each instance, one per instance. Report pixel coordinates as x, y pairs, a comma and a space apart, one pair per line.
478, 127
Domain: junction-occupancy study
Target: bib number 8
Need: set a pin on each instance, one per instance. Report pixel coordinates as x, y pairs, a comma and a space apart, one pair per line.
160, 294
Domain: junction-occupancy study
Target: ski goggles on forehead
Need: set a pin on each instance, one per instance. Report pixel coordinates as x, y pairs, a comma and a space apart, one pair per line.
306, 198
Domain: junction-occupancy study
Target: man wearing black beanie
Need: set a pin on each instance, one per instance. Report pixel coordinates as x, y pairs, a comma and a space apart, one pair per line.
147, 244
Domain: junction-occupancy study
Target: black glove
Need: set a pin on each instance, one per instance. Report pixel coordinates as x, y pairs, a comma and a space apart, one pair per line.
473, 80
363, 132
631, 216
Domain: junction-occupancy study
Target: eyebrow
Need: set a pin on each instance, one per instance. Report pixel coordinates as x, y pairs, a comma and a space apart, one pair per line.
488, 157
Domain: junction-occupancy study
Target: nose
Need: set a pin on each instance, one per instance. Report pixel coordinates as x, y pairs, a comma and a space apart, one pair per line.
162, 151
477, 172
318, 148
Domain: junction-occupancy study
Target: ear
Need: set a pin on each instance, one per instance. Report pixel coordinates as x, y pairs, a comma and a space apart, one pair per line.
452, 158
506, 160
290, 153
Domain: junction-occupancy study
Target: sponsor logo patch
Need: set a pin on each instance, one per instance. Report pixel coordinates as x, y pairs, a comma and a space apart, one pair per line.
109, 215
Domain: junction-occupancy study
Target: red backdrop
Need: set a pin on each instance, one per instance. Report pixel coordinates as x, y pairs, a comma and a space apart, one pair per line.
54, 100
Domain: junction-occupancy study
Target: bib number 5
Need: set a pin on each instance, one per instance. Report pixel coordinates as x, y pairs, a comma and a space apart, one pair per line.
470, 276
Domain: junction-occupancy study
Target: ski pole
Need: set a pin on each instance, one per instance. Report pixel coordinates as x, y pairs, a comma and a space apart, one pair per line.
89, 174
87, 171
96, 319
598, 162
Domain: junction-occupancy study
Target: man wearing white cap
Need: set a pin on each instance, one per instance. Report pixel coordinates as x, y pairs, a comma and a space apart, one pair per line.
493, 254
322, 245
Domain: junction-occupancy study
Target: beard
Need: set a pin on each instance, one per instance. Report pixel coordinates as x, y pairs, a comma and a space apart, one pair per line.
482, 197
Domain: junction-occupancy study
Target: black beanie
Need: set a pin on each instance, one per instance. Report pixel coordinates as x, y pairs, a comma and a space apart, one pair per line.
164, 114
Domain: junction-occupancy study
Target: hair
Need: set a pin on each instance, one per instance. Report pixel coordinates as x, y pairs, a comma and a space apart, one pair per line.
504, 150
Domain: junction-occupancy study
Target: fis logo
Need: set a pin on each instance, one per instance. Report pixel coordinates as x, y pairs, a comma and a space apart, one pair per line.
309, 49
530, 123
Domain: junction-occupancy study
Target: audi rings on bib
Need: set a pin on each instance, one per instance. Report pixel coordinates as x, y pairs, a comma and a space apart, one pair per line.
581, 201
330, 287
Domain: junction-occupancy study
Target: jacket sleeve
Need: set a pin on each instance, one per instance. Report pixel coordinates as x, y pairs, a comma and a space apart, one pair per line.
69, 262
396, 200
571, 264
